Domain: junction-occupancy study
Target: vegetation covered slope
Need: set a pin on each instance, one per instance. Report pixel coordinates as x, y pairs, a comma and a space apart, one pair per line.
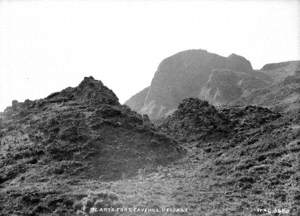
252, 169
79, 150
281, 96
279, 71
225, 86
76, 135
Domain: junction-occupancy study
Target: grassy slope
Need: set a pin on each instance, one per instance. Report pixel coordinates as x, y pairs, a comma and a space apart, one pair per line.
215, 178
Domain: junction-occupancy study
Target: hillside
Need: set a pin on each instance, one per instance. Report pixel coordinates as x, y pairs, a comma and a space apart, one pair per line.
180, 76
224, 86
282, 96
79, 151
217, 79
279, 71
237, 152
251, 169
72, 137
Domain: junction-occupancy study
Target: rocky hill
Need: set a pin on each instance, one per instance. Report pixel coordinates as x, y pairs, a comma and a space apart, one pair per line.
69, 139
180, 76
253, 169
196, 119
217, 79
78, 151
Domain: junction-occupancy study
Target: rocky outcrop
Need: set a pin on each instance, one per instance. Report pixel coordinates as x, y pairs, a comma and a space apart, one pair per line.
80, 134
195, 119
183, 75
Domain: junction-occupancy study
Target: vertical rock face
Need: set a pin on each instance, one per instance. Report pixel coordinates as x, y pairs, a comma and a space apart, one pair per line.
183, 75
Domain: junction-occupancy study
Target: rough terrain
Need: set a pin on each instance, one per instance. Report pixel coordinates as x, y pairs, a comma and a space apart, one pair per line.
70, 138
79, 151
281, 96
252, 165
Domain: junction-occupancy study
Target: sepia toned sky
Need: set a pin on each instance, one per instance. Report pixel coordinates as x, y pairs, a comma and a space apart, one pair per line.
46, 46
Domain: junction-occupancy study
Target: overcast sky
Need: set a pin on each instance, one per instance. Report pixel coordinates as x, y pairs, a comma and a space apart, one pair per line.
46, 46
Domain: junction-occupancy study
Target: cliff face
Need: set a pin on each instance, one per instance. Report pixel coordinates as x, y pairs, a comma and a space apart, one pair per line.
183, 75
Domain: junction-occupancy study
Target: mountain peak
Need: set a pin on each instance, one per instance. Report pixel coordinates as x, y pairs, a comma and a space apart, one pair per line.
88, 80
180, 76
89, 90
239, 63
233, 55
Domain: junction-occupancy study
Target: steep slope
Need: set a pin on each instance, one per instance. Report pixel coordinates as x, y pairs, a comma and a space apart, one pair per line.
279, 71
196, 119
220, 80
225, 86
136, 102
70, 138
253, 170
281, 96
183, 75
